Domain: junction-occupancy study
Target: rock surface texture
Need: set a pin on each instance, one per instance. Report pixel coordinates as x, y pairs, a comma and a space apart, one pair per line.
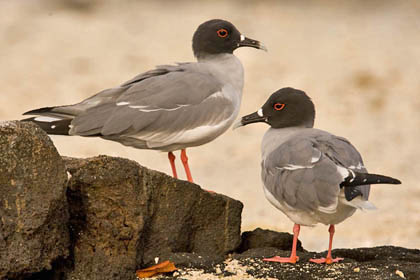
33, 205
123, 216
385, 262
260, 238
105, 217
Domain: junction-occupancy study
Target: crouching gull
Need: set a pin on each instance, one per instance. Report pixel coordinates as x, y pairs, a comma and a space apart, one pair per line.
169, 108
311, 175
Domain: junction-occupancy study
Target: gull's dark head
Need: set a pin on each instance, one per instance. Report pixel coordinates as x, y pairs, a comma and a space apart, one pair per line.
218, 36
287, 107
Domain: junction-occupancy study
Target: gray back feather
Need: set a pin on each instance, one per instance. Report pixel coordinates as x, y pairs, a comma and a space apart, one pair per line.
159, 92
302, 171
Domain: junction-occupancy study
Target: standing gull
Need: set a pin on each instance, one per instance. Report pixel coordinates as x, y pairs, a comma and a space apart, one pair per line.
169, 108
311, 175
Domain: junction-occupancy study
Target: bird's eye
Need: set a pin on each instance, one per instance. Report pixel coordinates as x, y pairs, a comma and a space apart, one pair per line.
279, 106
222, 33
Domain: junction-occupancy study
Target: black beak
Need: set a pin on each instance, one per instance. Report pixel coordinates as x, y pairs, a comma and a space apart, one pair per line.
251, 118
247, 42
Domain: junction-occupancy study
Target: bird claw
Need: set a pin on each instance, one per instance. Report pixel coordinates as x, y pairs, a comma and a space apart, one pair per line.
282, 260
326, 260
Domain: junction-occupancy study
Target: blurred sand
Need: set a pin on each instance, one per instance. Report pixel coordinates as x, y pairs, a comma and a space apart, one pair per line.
359, 62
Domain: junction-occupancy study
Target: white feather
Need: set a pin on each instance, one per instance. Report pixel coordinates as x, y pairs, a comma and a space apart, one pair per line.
145, 110
46, 119
316, 158
344, 172
359, 166
123, 103
294, 167
184, 136
359, 203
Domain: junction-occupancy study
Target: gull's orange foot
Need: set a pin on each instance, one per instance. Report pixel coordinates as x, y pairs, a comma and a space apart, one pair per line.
326, 260
282, 260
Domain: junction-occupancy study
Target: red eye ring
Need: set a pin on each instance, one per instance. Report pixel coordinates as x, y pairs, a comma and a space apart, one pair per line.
279, 106
222, 33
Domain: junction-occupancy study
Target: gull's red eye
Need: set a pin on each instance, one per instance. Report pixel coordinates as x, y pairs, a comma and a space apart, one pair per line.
279, 106
222, 33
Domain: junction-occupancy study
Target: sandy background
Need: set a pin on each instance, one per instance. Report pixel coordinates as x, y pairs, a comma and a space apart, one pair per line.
359, 62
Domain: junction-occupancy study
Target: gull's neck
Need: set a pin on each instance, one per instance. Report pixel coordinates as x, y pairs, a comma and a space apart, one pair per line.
226, 67
274, 137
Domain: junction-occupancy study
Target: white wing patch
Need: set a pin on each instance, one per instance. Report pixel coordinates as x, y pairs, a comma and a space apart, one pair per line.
344, 172
293, 167
147, 109
359, 166
123, 103
46, 119
217, 94
317, 157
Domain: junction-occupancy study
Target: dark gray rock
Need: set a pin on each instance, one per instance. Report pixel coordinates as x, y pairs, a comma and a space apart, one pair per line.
124, 215
260, 238
188, 219
361, 263
193, 260
33, 206
385, 262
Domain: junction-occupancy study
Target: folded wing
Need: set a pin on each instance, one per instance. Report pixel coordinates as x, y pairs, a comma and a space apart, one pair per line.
305, 172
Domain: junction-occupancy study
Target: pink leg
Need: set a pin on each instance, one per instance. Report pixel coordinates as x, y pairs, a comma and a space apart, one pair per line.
184, 160
171, 157
293, 257
328, 259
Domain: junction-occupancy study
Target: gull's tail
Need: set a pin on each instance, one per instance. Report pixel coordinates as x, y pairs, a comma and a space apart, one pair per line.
354, 183
51, 119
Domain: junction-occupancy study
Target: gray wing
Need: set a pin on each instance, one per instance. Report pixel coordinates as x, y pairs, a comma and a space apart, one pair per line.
343, 153
304, 171
183, 96
104, 101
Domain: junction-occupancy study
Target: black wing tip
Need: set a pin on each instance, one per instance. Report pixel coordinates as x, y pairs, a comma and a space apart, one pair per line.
38, 111
59, 127
395, 181
359, 178
388, 180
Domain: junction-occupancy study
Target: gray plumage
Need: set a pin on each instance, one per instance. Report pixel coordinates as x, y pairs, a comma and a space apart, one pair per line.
168, 108
309, 174
158, 111
302, 172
